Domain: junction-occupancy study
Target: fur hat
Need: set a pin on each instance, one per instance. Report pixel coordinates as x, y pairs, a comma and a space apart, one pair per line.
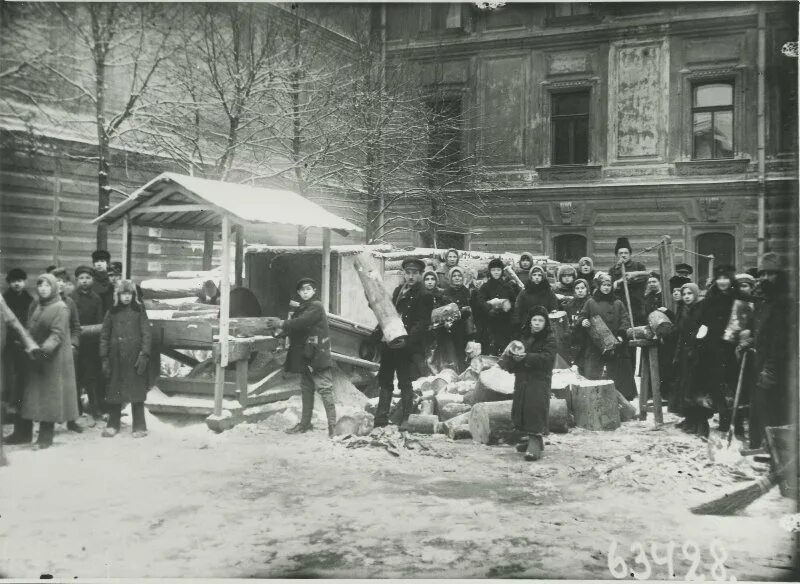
101, 254
684, 268
61, 274
678, 282
84, 270
125, 286
303, 281
586, 260
49, 269
752, 271
655, 275
496, 263
745, 278
538, 311
694, 288
526, 255
566, 270
15, 274
622, 242
769, 262
723, 271
413, 263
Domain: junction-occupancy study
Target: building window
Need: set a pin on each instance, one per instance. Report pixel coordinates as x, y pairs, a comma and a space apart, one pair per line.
568, 9
569, 122
712, 121
721, 246
569, 248
444, 138
442, 16
448, 239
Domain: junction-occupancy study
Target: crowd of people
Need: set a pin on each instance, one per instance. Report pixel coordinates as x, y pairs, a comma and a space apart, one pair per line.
534, 325
67, 375
515, 313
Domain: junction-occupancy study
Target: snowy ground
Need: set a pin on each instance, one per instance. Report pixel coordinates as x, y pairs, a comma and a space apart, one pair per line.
253, 501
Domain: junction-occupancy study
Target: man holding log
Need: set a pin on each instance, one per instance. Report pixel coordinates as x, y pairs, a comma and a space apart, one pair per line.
414, 306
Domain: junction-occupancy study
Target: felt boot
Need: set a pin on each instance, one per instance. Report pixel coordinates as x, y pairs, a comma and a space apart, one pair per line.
523, 445
73, 426
703, 429
45, 439
22, 434
535, 448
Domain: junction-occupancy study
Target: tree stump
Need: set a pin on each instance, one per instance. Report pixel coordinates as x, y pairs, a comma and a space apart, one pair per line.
422, 424
559, 418
490, 422
494, 384
595, 405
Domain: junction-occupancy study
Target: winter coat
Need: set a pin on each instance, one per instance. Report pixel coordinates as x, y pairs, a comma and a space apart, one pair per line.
90, 306
496, 332
124, 337
50, 392
540, 294
579, 337
653, 301
74, 322
690, 392
617, 363
309, 338
532, 381
719, 371
589, 278
20, 305
414, 305
635, 289
452, 342
103, 287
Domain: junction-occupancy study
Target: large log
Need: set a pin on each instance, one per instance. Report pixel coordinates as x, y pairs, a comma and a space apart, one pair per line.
601, 335
459, 420
178, 288
659, 323
187, 303
91, 330
422, 424
452, 409
626, 410
214, 274
490, 423
559, 419
459, 432
14, 324
595, 405
380, 301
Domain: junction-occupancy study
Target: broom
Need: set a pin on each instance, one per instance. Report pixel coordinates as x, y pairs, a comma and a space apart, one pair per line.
732, 503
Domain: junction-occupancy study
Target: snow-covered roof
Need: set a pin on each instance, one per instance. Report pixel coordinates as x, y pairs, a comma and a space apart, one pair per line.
182, 201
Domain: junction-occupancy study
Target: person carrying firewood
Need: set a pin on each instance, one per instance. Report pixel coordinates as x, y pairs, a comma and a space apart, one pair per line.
531, 361
496, 299
414, 305
310, 355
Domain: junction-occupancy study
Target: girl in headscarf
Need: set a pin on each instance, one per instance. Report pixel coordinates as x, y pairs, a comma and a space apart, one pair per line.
578, 336
457, 336
533, 372
496, 299
537, 292
586, 271
124, 353
51, 395
693, 397
617, 362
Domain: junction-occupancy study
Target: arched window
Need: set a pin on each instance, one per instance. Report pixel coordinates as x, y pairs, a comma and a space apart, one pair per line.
569, 248
721, 245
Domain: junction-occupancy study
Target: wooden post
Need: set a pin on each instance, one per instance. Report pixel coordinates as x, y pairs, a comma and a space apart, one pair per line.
241, 380
669, 256
124, 246
325, 283
663, 262
224, 315
655, 383
208, 249
644, 390
239, 255
710, 268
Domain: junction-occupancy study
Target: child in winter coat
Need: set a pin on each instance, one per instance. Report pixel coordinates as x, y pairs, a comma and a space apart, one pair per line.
50, 393
525, 264
565, 287
692, 395
90, 310
452, 341
537, 292
450, 260
532, 367
310, 355
494, 297
429, 361
578, 335
62, 279
125, 352
14, 358
617, 363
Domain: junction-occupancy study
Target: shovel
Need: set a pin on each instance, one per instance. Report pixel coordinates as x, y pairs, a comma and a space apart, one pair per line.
736, 398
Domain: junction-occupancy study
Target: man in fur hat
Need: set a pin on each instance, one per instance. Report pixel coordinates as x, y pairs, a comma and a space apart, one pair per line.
101, 260
636, 288
414, 306
771, 344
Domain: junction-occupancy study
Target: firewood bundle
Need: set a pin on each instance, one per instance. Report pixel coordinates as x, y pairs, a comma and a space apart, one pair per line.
445, 316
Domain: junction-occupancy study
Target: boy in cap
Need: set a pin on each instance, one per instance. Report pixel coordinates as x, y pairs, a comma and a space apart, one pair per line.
310, 355
101, 260
90, 311
414, 306
14, 357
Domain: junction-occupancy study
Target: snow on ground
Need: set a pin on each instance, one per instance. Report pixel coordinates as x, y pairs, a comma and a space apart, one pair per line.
185, 502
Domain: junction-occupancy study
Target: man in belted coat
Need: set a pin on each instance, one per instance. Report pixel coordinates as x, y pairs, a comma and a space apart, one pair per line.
636, 289
414, 306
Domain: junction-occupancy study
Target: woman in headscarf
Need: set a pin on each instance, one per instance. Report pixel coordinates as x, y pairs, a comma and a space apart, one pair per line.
586, 271
462, 331
496, 299
532, 367
578, 336
692, 397
537, 292
449, 260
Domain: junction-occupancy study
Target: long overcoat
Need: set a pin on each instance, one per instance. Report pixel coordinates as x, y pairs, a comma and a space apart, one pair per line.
617, 363
125, 335
719, 371
50, 391
691, 394
532, 381
635, 289
540, 294
496, 323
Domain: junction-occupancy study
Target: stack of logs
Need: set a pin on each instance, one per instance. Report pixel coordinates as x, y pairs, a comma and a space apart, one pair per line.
477, 404
184, 294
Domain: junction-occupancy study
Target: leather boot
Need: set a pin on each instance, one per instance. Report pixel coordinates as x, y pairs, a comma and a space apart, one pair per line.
535, 448
703, 429
22, 434
305, 416
330, 410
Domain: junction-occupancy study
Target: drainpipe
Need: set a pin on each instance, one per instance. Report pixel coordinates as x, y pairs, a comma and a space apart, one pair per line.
762, 129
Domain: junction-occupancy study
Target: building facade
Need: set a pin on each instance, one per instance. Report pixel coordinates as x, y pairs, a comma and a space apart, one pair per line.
607, 120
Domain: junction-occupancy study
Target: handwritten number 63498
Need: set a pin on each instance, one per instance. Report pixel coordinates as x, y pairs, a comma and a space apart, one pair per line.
643, 565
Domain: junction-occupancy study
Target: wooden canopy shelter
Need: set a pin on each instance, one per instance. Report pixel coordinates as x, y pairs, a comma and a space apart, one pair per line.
187, 202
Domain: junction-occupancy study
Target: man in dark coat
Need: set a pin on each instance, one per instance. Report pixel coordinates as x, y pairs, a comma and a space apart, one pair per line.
90, 311
770, 340
414, 306
635, 288
14, 358
310, 355
101, 260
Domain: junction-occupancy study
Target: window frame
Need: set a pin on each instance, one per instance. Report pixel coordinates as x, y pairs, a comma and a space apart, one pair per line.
556, 236
571, 118
550, 232
713, 110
